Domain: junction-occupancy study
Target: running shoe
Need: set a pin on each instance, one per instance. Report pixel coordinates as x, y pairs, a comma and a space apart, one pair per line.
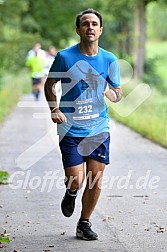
68, 203
85, 232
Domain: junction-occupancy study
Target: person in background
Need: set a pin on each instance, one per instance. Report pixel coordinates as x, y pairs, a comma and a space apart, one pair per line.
36, 48
35, 63
49, 58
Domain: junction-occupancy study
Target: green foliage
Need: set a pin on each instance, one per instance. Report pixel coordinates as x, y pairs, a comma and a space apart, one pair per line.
3, 178
156, 56
29, 25
118, 27
157, 21
55, 21
14, 41
47, 22
151, 76
4, 239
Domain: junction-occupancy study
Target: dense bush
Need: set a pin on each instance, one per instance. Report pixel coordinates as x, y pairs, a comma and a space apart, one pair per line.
151, 76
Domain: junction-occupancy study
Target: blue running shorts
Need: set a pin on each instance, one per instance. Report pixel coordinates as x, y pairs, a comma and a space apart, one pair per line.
74, 150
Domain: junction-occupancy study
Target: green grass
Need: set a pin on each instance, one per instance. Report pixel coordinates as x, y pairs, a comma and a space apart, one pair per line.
3, 177
150, 118
4, 239
12, 87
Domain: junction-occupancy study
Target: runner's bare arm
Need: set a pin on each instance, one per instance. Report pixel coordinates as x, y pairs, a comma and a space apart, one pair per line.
56, 114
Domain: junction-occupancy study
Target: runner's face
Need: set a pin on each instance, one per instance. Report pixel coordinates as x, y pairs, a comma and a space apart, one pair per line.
89, 29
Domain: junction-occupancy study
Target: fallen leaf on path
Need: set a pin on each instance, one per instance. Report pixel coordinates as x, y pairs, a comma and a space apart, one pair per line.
5, 234
153, 223
161, 230
110, 218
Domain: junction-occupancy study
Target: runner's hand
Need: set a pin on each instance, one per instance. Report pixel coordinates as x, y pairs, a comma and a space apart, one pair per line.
111, 95
58, 116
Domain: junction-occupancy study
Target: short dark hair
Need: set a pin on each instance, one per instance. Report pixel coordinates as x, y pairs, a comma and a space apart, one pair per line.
90, 10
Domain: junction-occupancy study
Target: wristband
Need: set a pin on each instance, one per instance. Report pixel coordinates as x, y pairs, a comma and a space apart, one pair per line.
54, 109
117, 93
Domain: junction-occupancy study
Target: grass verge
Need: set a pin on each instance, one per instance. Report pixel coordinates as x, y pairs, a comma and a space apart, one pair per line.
149, 119
12, 87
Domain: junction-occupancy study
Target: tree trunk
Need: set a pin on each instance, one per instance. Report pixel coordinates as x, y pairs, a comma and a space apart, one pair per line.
124, 41
140, 38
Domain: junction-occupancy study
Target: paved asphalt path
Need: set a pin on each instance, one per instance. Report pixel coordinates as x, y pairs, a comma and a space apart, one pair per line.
131, 215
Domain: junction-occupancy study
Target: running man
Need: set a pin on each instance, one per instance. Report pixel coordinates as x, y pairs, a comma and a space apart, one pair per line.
82, 121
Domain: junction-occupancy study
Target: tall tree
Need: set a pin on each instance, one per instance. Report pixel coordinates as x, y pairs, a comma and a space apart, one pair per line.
140, 35
140, 38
